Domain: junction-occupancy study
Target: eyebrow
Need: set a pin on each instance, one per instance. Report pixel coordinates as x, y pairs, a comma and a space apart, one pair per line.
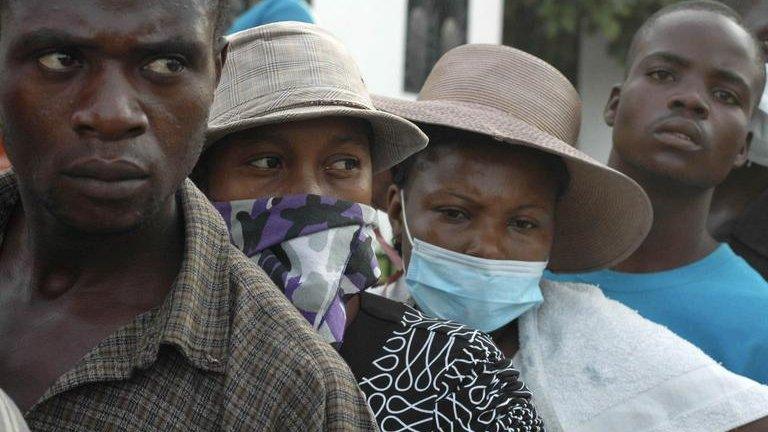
472, 201
356, 139
720, 74
47, 37
669, 58
732, 78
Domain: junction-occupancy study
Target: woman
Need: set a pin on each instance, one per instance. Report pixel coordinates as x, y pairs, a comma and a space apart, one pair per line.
294, 142
499, 195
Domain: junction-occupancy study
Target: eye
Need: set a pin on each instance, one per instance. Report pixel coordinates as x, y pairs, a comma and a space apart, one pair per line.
523, 224
661, 75
345, 164
59, 62
726, 97
165, 66
453, 214
267, 162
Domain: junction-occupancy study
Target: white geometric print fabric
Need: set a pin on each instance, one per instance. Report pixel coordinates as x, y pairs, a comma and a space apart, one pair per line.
455, 379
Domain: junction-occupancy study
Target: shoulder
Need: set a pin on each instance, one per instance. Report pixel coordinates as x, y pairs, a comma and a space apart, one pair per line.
274, 351
453, 373
425, 327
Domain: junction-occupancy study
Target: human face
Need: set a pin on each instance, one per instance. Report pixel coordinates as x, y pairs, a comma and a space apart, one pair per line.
325, 156
684, 109
104, 104
482, 199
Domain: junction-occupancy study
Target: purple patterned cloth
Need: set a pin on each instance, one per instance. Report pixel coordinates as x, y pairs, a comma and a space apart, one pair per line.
318, 250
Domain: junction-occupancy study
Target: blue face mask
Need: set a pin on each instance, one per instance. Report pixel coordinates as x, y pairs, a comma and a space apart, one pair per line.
481, 293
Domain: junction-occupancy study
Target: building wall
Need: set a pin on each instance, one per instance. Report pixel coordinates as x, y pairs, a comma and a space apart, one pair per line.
374, 31
597, 74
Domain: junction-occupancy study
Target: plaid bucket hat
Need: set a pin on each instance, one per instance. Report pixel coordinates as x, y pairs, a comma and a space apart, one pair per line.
519, 99
290, 71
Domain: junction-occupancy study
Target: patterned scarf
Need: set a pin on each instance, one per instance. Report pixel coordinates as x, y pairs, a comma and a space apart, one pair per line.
318, 250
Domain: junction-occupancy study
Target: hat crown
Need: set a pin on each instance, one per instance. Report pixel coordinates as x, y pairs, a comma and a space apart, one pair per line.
284, 65
509, 80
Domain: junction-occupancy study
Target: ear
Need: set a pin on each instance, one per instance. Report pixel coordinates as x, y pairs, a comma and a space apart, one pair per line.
609, 114
221, 58
395, 212
741, 158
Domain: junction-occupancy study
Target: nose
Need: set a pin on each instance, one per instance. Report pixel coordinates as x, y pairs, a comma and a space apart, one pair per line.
305, 180
110, 110
689, 100
486, 243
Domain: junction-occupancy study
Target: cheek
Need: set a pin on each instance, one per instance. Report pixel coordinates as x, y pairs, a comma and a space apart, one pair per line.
178, 121
358, 188
36, 130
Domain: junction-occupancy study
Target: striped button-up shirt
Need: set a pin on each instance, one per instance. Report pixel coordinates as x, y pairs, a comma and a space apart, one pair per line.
225, 351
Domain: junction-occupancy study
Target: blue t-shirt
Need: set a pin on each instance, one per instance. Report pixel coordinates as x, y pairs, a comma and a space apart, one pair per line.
270, 11
718, 303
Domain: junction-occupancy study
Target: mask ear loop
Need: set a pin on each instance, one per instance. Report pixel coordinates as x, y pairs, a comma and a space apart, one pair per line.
405, 219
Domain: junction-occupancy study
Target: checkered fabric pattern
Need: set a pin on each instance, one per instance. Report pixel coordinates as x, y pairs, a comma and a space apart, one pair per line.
290, 71
225, 351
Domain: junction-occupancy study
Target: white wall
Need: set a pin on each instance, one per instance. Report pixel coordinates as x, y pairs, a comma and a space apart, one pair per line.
597, 74
374, 31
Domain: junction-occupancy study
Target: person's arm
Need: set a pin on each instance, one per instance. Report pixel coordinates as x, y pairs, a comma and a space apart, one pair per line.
345, 405
756, 426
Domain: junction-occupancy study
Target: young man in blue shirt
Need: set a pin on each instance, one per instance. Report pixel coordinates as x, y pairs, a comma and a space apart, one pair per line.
680, 124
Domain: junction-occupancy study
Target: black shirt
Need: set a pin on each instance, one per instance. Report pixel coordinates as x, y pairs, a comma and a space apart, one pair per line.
425, 374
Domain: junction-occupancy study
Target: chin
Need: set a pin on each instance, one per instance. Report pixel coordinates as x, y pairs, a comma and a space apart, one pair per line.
102, 219
686, 174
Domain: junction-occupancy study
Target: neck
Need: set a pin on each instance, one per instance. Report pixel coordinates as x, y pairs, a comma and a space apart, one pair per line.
134, 268
679, 233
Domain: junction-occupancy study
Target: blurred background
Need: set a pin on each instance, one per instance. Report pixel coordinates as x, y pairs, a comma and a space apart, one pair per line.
396, 42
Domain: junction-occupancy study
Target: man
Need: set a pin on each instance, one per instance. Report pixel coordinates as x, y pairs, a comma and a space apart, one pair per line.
739, 213
680, 124
122, 303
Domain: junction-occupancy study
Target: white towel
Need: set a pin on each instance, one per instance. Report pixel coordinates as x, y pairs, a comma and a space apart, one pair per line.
595, 365
10, 417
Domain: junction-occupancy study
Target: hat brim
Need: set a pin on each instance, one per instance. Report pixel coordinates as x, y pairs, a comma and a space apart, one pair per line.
603, 216
394, 138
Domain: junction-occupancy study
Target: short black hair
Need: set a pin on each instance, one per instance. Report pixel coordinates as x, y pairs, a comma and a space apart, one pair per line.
692, 5
223, 14
443, 137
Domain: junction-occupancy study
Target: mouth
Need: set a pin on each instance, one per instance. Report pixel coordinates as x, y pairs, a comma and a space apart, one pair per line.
680, 133
107, 180
107, 171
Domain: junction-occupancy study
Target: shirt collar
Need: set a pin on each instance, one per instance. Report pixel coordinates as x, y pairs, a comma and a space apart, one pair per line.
194, 318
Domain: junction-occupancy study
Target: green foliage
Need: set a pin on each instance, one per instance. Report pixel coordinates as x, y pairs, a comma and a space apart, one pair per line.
616, 20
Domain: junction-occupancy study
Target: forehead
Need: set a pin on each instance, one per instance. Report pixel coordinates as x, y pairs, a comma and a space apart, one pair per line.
704, 39
492, 169
346, 127
109, 21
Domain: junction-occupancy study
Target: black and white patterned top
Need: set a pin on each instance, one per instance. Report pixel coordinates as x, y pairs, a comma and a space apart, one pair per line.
425, 374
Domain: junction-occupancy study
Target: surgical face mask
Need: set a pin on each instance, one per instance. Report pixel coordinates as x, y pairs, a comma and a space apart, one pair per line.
317, 250
758, 151
481, 293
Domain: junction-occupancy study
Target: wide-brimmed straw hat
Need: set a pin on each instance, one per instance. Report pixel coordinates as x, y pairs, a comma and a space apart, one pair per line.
519, 99
290, 71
